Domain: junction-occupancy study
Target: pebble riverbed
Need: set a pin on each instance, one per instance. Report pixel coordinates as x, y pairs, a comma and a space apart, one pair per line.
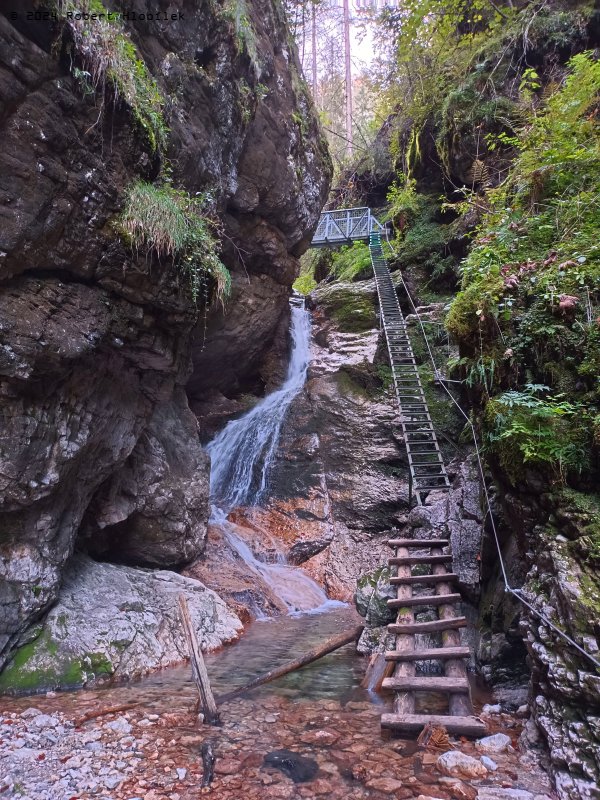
48, 752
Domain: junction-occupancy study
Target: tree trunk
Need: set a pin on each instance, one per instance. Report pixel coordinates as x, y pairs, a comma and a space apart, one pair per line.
348, 77
318, 652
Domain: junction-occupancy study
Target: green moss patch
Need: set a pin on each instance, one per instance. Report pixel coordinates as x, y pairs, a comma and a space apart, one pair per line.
351, 306
41, 666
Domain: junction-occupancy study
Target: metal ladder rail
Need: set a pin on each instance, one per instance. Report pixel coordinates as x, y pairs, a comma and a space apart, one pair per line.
426, 467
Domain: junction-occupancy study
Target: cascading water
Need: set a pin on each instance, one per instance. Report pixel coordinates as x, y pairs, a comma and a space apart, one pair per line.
242, 455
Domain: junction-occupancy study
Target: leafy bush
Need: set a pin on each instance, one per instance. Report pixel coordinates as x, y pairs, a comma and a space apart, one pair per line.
524, 427
171, 224
109, 57
352, 262
305, 283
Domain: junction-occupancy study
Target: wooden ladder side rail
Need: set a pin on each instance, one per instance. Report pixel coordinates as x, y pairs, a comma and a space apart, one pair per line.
459, 704
404, 702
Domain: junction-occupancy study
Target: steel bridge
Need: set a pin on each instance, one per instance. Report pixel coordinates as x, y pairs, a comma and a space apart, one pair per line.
344, 226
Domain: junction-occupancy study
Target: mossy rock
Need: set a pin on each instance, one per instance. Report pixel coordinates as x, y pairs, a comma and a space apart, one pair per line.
41, 665
373, 590
350, 305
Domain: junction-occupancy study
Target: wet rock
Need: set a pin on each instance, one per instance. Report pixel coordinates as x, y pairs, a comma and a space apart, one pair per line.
385, 785
297, 767
320, 737
113, 620
459, 765
491, 709
498, 743
373, 590
458, 790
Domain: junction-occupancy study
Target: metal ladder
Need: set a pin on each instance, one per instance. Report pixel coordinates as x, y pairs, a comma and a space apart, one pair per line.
426, 465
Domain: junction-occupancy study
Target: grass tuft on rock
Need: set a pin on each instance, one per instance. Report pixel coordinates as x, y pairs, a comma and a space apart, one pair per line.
170, 223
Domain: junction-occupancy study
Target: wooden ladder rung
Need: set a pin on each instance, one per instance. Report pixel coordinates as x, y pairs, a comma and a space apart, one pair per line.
418, 542
414, 723
428, 654
409, 580
428, 627
427, 683
415, 559
426, 600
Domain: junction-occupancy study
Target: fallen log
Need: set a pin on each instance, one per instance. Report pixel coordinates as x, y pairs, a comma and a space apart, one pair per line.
207, 700
102, 712
318, 652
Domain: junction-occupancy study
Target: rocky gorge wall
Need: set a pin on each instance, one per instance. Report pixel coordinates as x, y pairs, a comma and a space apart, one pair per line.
99, 448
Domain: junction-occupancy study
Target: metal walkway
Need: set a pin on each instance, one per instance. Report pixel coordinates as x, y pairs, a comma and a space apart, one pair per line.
428, 565
345, 226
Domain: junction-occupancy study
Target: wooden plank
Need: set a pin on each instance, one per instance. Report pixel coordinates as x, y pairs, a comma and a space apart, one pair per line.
401, 560
429, 627
418, 542
426, 683
413, 723
209, 707
412, 579
425, 600
428, 654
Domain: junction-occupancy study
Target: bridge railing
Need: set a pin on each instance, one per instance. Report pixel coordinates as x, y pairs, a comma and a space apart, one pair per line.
344, 226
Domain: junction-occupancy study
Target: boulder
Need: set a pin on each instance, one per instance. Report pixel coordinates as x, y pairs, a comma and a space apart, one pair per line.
115, 622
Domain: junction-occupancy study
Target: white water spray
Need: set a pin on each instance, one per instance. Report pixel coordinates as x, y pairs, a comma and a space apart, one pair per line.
242, 455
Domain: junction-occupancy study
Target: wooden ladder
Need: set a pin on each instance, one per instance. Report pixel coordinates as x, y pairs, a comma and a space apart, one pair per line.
405, 682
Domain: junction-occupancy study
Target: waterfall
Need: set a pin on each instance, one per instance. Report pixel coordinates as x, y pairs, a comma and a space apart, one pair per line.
242, 455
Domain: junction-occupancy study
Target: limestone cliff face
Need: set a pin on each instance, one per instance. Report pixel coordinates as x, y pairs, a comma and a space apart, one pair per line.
96, 342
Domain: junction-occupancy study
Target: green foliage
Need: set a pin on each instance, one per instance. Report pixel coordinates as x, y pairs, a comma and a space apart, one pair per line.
524, 427
109, 57
402, 199
171, 224
539, 242
352, 262
421, 240
236, 11
305, 283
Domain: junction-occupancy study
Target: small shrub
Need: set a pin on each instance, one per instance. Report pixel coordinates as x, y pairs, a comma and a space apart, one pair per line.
526, 427
171, 224
109, 57
352, 262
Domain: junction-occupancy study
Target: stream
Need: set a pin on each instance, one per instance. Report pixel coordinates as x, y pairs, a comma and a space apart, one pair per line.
142, 740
